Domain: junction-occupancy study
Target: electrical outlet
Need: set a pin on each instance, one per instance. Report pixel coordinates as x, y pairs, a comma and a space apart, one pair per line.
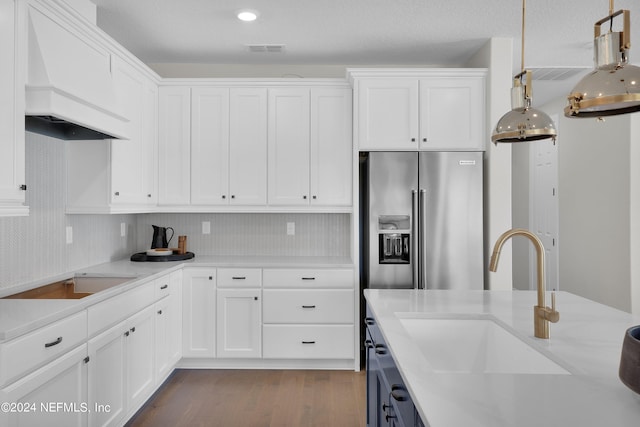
206, 227
291, 229
69, 231
123, 229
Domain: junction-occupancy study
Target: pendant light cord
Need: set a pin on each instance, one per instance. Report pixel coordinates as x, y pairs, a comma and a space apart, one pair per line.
524, 9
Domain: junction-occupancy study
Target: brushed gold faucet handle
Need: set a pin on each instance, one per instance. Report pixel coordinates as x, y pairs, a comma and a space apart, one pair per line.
551, 314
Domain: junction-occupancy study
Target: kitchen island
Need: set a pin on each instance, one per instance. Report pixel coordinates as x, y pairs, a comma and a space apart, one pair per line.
577, 384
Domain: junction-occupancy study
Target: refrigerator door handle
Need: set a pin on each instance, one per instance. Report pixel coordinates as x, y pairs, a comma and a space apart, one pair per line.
414, 238
422, 251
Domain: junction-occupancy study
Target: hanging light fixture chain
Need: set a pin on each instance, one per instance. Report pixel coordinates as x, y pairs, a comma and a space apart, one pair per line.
524, 10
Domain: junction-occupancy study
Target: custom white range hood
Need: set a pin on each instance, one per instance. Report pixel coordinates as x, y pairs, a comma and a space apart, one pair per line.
69, 90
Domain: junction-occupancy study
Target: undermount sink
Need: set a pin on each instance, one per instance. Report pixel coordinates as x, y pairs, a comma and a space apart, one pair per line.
476, 345
76, 287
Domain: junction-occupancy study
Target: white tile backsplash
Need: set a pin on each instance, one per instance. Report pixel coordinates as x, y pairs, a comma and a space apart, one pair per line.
35, 247
254, 234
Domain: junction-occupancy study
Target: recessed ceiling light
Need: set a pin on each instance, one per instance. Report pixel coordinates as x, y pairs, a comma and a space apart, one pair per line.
247, 15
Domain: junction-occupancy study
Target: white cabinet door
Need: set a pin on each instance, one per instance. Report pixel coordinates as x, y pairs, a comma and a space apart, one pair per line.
288, 146
107, 376
239, 323
12, 161
209, 145
452, 114
168, 329
331, 148
54, 395
248, 147
128, 176
174, 145
388, 114
198, 312
139, 358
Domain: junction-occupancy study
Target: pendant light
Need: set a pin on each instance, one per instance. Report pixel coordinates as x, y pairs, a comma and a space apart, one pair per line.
614, 86
523, 123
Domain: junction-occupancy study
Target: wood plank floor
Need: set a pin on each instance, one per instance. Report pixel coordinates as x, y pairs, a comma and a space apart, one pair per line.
257, 398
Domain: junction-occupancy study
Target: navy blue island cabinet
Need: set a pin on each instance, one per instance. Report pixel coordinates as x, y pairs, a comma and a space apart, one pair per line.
389, 403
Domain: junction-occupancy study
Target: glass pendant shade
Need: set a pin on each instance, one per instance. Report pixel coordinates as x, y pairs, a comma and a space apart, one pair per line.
614, 86
523, 123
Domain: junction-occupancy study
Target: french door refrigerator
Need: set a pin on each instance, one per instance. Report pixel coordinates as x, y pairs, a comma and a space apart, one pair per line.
422, 220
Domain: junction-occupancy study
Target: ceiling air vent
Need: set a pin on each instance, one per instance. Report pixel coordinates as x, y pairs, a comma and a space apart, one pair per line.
265, 48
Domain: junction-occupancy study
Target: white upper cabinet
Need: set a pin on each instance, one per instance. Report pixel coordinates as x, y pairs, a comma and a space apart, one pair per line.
310, 150
331, 147
248, 146
209, 145
174, 151
288, 146
439, 109
388, 114
452, 114
12, 171
131, 159
228, 146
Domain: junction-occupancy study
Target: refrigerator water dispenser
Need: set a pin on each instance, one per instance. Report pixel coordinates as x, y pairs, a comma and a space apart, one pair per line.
394, 245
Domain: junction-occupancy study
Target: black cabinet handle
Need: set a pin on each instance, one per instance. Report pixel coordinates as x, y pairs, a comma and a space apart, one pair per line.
239, 278
164, 286
308, 278
126, 334
117, 193
133, 329
308, 306
210, 277
52, 343
23, 187
308, 342
399, 393
159, 311
224, 197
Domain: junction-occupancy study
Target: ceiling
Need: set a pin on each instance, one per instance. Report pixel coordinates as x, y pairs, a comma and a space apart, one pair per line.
559, 33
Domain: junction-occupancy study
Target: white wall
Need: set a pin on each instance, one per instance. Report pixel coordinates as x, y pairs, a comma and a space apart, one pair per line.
599, 207
496, 55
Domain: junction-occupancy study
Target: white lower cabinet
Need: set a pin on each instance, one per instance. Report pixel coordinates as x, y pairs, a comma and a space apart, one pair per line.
54, 395
308, 314
121, 368
239, 323
198, 312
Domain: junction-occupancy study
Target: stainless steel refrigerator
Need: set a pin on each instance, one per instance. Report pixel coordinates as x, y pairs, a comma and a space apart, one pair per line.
422, 220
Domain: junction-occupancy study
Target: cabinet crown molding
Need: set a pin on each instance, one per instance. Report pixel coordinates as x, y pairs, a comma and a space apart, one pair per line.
359, 73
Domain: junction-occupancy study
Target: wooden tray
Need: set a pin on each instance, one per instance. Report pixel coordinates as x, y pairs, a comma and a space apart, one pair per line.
143, 257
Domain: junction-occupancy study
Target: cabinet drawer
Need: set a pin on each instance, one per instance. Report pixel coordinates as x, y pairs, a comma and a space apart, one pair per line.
25, 353
239, 277
308, 278
307, 306
307, 341
118, 308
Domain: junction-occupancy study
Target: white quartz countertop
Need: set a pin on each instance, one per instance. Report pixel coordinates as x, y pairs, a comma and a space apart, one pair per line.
587, 341
20, 316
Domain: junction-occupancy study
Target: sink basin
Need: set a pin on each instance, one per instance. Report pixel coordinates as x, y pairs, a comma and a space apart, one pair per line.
476, 345
76, 287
